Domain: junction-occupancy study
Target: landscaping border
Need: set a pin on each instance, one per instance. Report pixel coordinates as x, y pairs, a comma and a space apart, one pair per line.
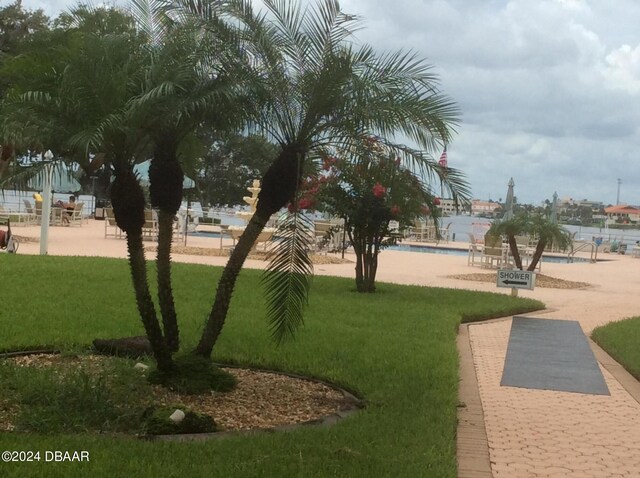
354, 405
471, 436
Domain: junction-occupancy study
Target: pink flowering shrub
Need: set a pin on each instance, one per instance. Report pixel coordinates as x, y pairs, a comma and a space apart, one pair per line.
368, 190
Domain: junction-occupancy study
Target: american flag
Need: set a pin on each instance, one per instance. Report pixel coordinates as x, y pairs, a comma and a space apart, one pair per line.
443, 158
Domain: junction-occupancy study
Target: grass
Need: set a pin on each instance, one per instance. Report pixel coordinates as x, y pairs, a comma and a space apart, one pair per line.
395, 348
620, 340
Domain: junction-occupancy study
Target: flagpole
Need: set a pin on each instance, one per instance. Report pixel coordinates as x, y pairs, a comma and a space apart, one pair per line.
443, 165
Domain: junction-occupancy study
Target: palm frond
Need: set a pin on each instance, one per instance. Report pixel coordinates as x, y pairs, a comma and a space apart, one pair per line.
287, 279
152, 19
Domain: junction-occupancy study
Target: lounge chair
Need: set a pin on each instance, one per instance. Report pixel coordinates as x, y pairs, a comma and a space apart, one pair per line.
76, 215
27, 217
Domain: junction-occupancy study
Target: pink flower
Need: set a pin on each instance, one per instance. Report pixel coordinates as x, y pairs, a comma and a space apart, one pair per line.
395, 210
305, 203
328, 162
379, 190
436, 201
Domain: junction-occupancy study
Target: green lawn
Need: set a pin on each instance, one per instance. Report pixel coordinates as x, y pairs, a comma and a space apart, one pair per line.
621, 340
396, 349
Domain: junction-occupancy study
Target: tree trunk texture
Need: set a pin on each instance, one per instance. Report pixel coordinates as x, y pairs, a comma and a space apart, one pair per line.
227, 283
145, 303
279, 186
366, 263
513, 245
128, 202
165, 290
165, 190
6, 153
537, 255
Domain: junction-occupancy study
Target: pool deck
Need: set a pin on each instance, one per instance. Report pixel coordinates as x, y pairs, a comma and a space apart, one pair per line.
504, 431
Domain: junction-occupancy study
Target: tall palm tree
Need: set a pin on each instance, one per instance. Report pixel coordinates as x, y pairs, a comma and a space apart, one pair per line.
82, 109
187, 84
313, 89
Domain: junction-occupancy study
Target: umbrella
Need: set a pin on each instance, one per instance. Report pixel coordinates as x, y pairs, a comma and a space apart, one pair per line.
508, 205
62, 180
142, 171
554, 209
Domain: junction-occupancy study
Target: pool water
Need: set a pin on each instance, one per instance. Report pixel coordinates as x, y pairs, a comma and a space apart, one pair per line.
462, 252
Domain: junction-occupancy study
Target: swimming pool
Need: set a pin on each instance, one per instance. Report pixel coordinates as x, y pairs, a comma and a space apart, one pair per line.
451, 251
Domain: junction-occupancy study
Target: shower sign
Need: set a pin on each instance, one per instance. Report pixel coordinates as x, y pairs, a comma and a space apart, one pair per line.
516, 279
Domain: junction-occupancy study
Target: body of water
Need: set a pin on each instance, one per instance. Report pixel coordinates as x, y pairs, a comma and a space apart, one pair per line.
461, 226
462, 252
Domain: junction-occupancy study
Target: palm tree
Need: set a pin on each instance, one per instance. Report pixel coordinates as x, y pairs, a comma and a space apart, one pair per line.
548, 233
81, 106
314, 90
511, 228
187, 84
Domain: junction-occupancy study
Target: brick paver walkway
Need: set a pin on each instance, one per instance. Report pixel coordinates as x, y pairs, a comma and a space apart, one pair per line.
539, 433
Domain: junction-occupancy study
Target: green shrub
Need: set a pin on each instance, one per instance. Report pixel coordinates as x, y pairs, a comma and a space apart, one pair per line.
157, 422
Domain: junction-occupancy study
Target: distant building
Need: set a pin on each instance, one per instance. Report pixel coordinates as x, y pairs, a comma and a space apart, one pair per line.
622, 213
484, 208
448, 207
566, 203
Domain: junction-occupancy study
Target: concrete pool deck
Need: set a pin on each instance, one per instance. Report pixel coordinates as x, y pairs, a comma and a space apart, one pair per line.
522, 432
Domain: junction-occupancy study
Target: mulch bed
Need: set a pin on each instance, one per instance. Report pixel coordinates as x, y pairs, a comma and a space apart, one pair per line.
261, 400
541, 280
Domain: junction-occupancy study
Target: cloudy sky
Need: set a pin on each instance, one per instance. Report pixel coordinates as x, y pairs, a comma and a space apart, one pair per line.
549, 89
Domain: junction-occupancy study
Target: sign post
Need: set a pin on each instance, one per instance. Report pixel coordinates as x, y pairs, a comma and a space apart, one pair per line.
516, 279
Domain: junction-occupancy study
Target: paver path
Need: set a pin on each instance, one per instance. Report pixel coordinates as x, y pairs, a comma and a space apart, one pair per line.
540, 433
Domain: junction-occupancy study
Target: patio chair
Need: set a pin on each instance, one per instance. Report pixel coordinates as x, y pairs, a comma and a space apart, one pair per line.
444, 234
493, 255
111, 228
475, 252
28, 217
76, 218
150, 228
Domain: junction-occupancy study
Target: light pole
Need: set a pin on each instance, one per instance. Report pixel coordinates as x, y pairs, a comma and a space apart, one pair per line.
618, 196
46, 202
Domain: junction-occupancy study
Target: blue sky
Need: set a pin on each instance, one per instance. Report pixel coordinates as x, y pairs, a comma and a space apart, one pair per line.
549, 89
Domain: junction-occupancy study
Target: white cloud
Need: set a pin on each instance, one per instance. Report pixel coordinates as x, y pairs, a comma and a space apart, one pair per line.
623, 69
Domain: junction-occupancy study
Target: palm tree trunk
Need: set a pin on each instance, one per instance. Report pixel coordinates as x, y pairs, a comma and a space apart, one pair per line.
165, 290
165, 190
279, 186
128, 208
357, 242
6, 153
227, 283
537, 255
145, 303
513, 245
